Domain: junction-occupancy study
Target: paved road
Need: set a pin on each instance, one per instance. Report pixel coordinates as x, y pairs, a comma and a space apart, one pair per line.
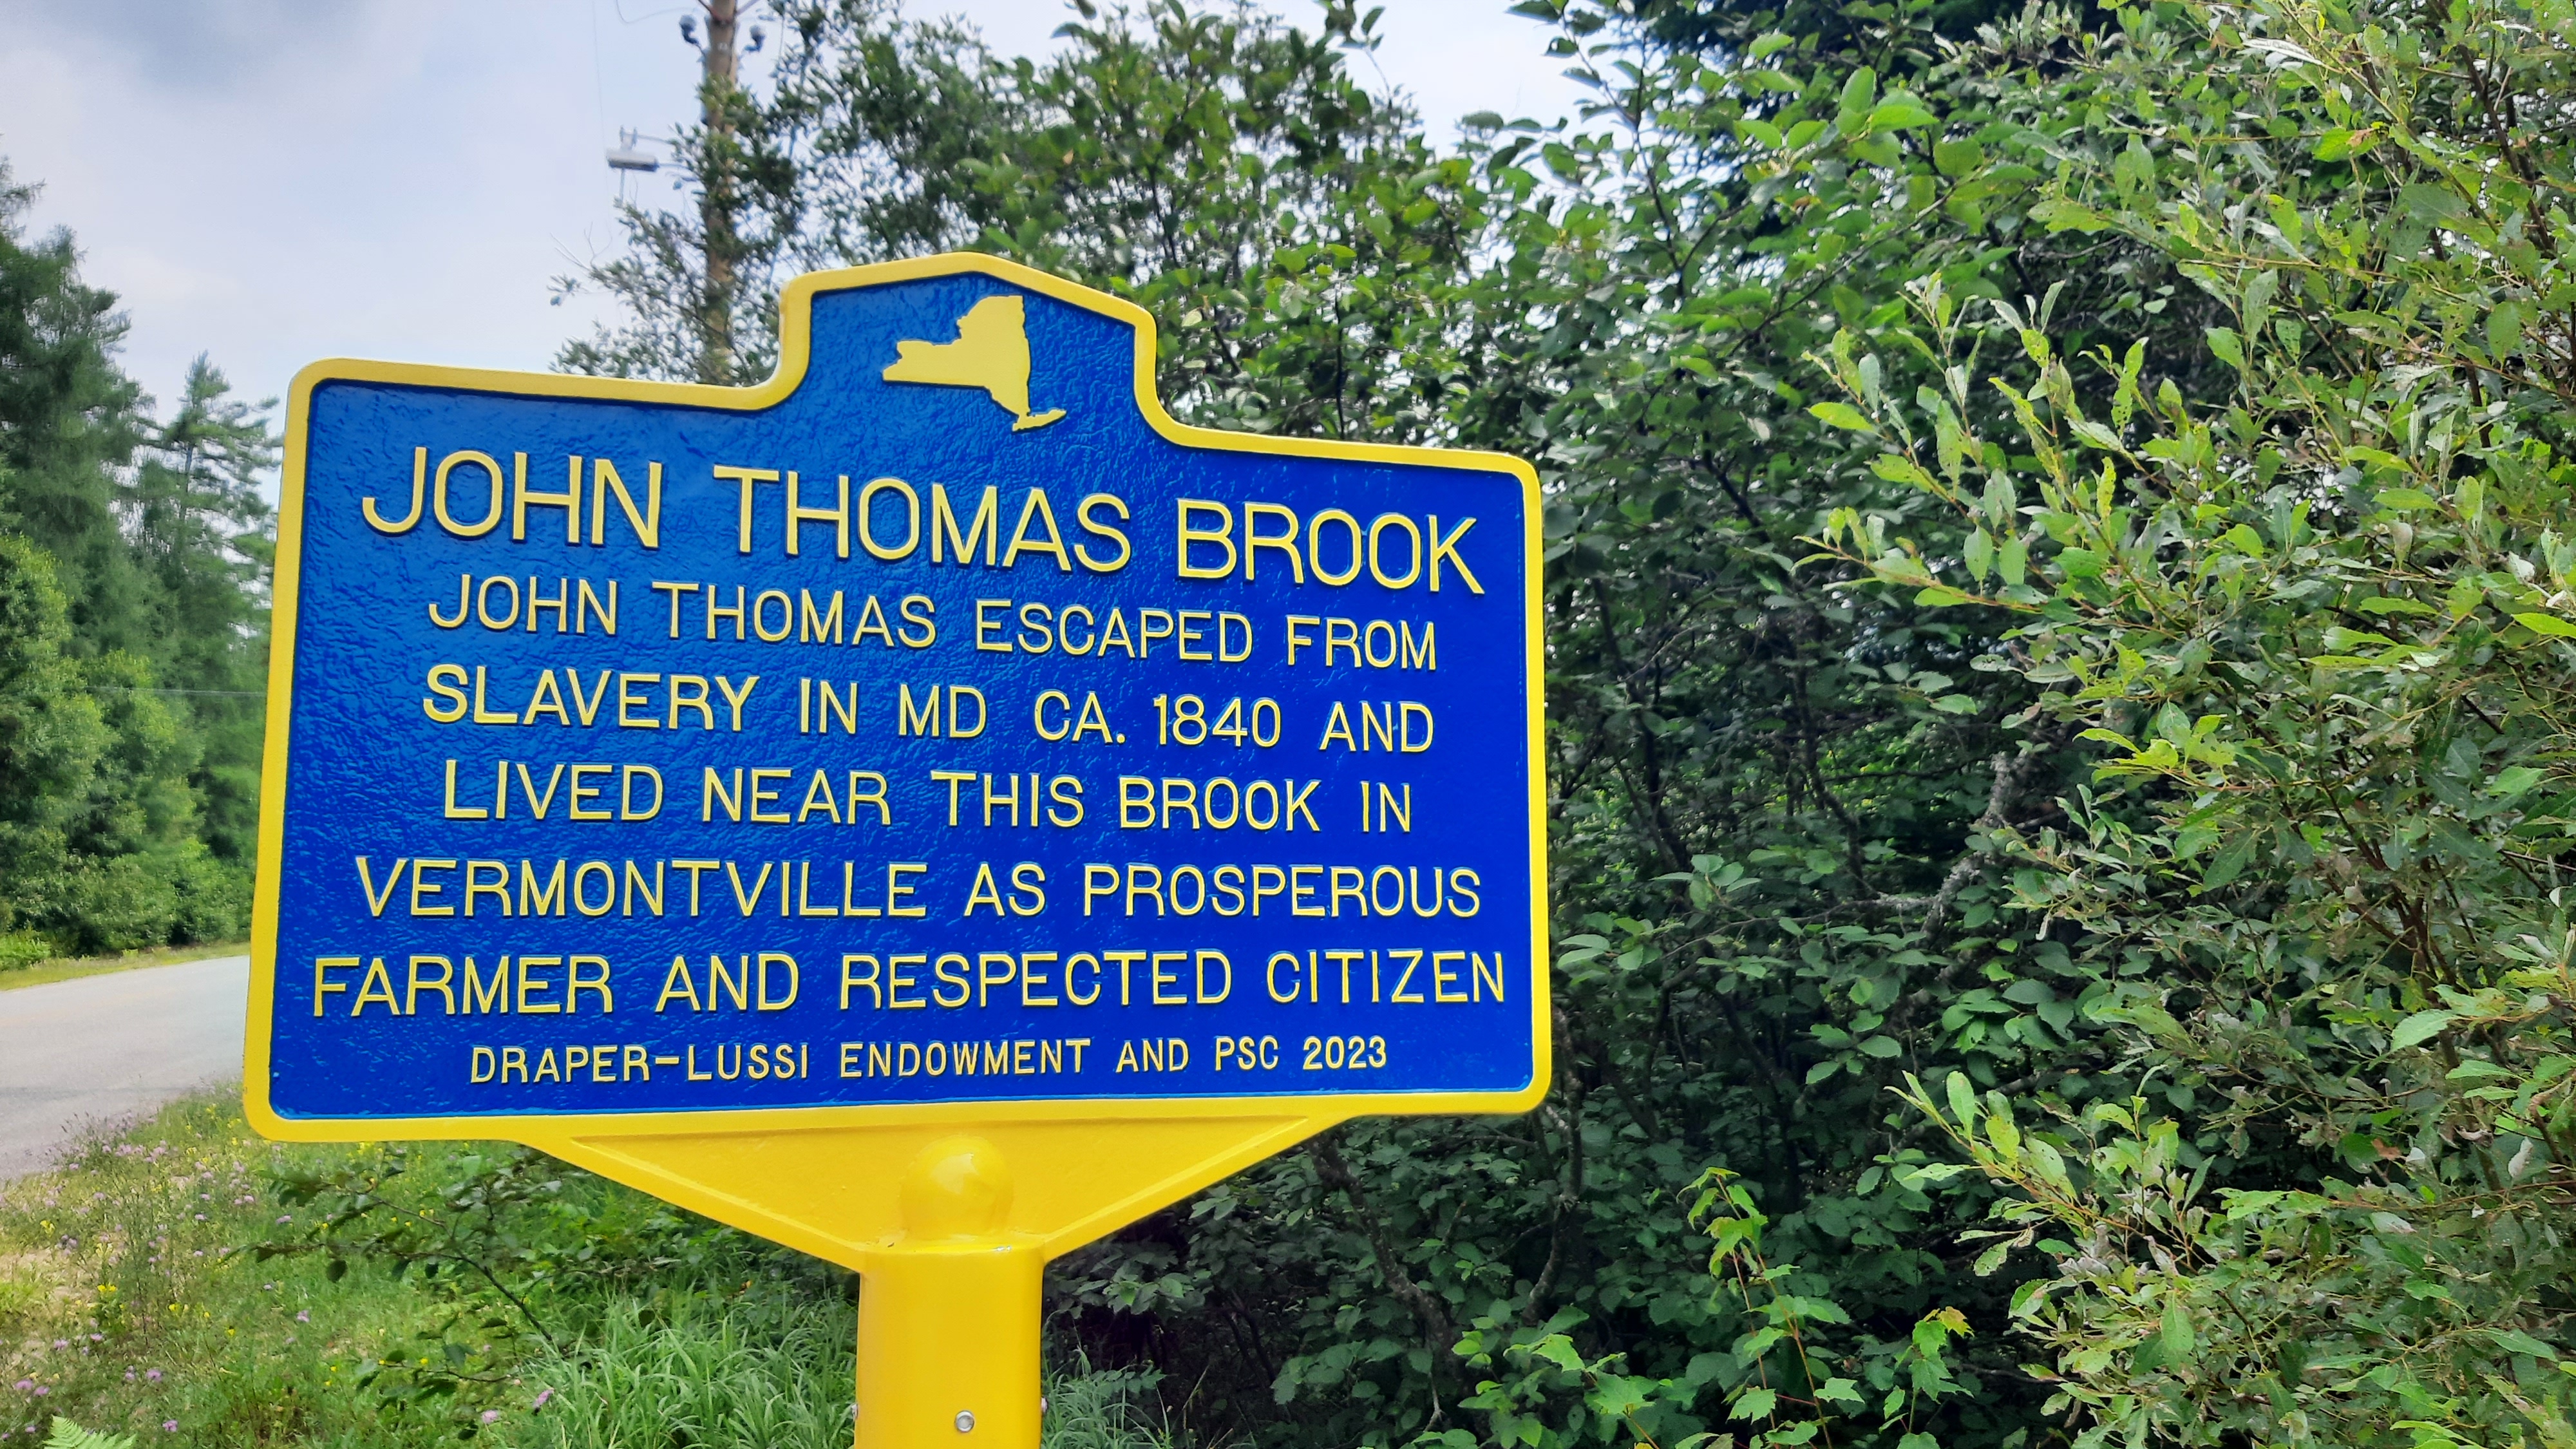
102, 1049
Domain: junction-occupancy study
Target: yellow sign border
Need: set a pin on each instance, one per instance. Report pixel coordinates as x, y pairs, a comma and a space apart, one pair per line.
580, 1136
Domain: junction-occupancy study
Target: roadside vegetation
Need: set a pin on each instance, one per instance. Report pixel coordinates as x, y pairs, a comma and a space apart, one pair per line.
191, 1284
134, 552
65, 968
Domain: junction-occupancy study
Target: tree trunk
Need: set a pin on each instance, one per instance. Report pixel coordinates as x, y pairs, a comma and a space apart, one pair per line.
717, 198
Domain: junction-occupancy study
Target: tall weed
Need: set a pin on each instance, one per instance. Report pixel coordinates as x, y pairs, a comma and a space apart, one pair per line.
754, 1373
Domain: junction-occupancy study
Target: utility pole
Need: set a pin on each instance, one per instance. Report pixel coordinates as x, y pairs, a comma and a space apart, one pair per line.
718, 196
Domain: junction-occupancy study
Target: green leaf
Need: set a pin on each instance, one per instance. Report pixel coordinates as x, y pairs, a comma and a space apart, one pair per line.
2511, 1340
2229, 862
2419, 1027
68, 1435
1860, 93
2504, 330
1957, 158
1897, 468
2227, 346
1843, 415
2432, 203
2513, 781
2006, 1137
2176, 1332
1963, 1099
1955, 704
2062, 215
2125, 398
1559, 1350
2407, 500
1753, 1404
2013, 562
1901, 113
2549, 624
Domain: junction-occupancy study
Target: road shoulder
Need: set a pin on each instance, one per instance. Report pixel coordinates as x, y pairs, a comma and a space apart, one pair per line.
73, 968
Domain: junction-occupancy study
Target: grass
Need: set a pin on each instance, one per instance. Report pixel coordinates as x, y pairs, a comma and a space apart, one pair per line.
66, 968
135, 1299
124, 1312
705, 1376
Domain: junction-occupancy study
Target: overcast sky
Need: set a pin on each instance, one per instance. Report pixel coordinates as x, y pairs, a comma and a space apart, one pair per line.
276, 181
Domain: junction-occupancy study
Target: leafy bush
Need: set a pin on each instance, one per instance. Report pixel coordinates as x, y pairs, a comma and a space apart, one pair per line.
23, 948
2320, 624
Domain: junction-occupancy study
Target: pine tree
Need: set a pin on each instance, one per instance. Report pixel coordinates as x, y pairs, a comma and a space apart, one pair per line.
201, 529
69, 419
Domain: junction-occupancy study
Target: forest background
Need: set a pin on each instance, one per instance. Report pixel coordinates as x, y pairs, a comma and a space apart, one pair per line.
2061, 645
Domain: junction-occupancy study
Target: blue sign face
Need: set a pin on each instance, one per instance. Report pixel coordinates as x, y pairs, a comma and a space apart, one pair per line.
942, 724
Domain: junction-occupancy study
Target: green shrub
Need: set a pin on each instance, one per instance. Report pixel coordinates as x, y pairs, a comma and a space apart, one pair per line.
2323, 627
116, 903
23, 948
213, 898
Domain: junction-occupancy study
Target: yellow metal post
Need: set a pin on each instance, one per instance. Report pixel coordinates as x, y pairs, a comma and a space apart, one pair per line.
949, 1312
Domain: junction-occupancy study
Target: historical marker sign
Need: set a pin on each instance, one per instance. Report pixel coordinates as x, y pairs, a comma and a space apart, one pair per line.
730, 788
